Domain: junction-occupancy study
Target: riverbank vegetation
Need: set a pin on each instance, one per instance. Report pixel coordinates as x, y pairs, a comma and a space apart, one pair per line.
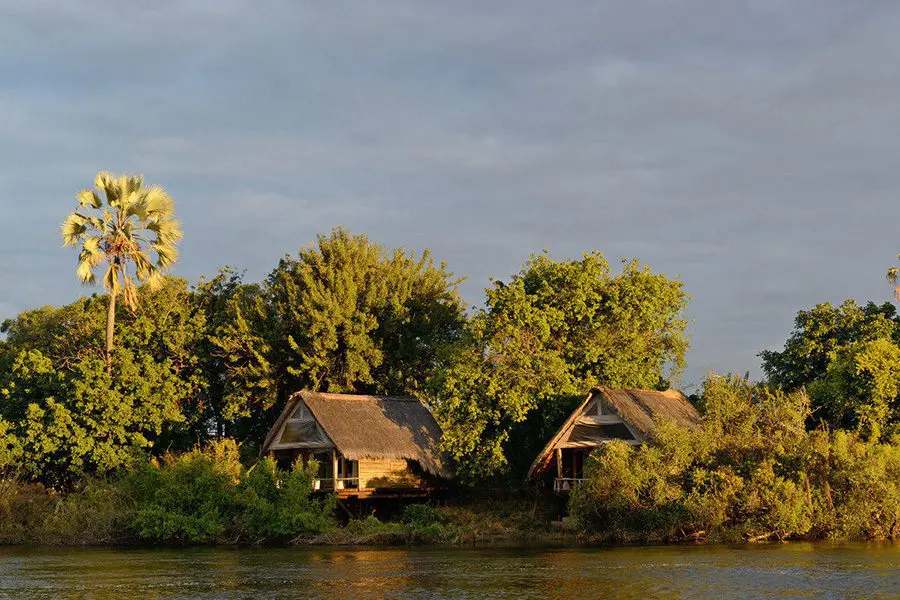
207, 496
751, 471
141, 421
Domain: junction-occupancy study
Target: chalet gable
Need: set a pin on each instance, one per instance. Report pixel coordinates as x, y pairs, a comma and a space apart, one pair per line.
607, 414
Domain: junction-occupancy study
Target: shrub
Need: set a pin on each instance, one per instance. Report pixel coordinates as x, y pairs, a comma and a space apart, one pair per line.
750, 470
205, 495
276, 503
98, 514
23, 508
187, 498
423, 515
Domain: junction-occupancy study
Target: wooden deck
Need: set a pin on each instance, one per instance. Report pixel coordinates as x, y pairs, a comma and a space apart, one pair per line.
381, 492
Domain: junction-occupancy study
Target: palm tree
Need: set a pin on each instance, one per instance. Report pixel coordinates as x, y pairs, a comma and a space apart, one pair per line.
121, 228
893, 276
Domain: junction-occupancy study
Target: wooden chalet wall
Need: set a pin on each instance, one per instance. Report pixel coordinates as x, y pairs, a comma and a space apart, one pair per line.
386, 473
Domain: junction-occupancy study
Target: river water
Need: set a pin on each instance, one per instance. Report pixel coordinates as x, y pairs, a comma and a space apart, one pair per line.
758, 571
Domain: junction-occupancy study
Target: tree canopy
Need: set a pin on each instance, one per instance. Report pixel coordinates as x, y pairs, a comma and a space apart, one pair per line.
344, 315
554, 331
64, 414
350, 315
848, 359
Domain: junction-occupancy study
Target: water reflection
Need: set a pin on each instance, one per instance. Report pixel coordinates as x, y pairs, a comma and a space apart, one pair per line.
805, 570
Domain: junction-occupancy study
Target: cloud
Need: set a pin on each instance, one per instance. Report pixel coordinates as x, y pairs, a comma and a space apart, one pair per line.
747, 147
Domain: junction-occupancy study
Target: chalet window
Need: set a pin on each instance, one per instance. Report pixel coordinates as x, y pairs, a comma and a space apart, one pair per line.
301, 413
616, 430
296, 430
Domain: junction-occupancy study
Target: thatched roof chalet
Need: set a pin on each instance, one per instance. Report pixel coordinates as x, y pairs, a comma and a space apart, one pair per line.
609, 414
359, 427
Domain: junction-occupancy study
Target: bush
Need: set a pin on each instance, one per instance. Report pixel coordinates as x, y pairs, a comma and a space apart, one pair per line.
278, 504
423, 515
204, 496
23, 509
99, 514
749, 471
186, 499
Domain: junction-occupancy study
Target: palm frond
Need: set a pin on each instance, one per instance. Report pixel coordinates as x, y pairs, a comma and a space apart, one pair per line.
88, 259
129, 292
893, 277
166, 255
142, 265
92, 246
103, 180
168, 231
155, 280
98, 223
133, 183
89, 198
107, 183
85, 273
72, 229
158, 203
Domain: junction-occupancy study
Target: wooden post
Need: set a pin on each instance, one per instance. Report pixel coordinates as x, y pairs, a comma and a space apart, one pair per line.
559, 465
334, 470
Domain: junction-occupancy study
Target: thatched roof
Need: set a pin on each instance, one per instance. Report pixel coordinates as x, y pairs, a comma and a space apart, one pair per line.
372, 427
641, 410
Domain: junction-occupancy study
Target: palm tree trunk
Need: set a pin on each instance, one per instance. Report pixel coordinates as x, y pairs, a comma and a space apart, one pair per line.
110, 327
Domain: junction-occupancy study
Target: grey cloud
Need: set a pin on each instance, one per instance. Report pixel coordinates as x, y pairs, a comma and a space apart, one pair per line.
747, 147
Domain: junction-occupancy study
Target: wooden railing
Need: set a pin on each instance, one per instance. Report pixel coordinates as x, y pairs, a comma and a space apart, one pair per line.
340, 483
565, 484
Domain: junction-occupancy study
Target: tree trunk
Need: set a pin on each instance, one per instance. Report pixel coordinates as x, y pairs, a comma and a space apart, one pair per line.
110, 327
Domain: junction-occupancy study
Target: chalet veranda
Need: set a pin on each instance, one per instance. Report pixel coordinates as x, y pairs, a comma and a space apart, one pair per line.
369, 448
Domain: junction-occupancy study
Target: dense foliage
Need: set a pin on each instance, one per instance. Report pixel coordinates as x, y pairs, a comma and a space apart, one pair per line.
218, 359
848, 359
750, 471
345, 315
64, 415
155, 439
550, 334
201, 496
207, 495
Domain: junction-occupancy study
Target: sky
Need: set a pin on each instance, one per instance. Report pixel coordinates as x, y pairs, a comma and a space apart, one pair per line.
750, 148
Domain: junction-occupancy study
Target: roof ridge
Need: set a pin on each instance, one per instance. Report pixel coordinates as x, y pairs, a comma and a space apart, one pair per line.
359, 397
602, 388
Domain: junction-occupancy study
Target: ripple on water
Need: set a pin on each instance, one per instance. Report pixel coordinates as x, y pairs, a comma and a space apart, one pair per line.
770, 571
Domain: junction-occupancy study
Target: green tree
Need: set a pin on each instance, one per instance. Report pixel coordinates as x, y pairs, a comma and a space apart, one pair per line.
861, 387
236, 355
354, 316
343, 315
554, 331
65, 415
121, 228
845, 357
